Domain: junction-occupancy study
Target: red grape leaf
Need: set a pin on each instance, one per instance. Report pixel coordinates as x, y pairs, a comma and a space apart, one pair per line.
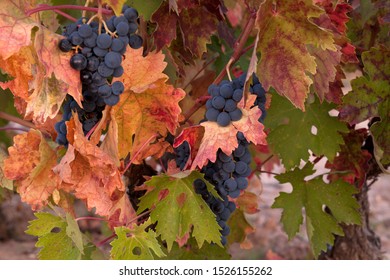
166, 26
335, 20
30, 164
89, 173
351, 157
326, 61
197, 26
335, 93
337, 14
225, 138
15, 27
196, 23
285, 30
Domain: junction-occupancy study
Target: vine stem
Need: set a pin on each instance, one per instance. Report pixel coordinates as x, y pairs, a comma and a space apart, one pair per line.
89, 219
65, 15
14, 119
4, 128
45, 7
101, 243
238, 52
200, 71
139, 151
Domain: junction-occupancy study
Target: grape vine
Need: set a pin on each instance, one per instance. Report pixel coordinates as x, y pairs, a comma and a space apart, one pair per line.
134, 112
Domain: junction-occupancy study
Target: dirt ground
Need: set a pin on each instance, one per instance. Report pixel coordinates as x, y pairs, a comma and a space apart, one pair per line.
268, 241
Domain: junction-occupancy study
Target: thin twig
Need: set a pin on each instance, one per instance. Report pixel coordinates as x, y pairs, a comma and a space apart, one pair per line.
90, 219
7, 128
101, 243
265, 161
138, 152
139, 216
200, 71
268, 172
45, 7
14, 119
65, 15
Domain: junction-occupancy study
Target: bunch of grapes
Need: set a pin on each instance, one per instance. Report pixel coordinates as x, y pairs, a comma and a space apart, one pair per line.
98, 57
257, 89
229, 173
182, 153
221, 208
222, 106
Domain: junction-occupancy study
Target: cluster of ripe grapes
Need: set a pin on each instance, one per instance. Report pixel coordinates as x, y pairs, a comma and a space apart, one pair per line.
229, 173
97, 54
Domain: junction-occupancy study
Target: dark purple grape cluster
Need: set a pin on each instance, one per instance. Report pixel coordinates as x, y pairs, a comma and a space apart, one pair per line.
221, 208
257, 88
222, 106
229, 173
182, 153
98, 57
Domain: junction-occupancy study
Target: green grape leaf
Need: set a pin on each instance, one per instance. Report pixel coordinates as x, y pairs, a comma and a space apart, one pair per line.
291, 133
381, 133
73, 231
177, 208
135, 244
368, 91
191, 251
313, 195
286, 28
58, 239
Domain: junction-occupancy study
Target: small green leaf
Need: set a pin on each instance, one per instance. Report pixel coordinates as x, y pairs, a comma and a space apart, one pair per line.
135, 244
177, 209
313, 195
73, 231
53, 238
291, 134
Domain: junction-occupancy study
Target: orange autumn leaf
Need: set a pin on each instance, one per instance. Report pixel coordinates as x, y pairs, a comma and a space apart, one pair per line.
89, 173
30, 164
141, 115
225, 138
45, 91
15, 28
142, 71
